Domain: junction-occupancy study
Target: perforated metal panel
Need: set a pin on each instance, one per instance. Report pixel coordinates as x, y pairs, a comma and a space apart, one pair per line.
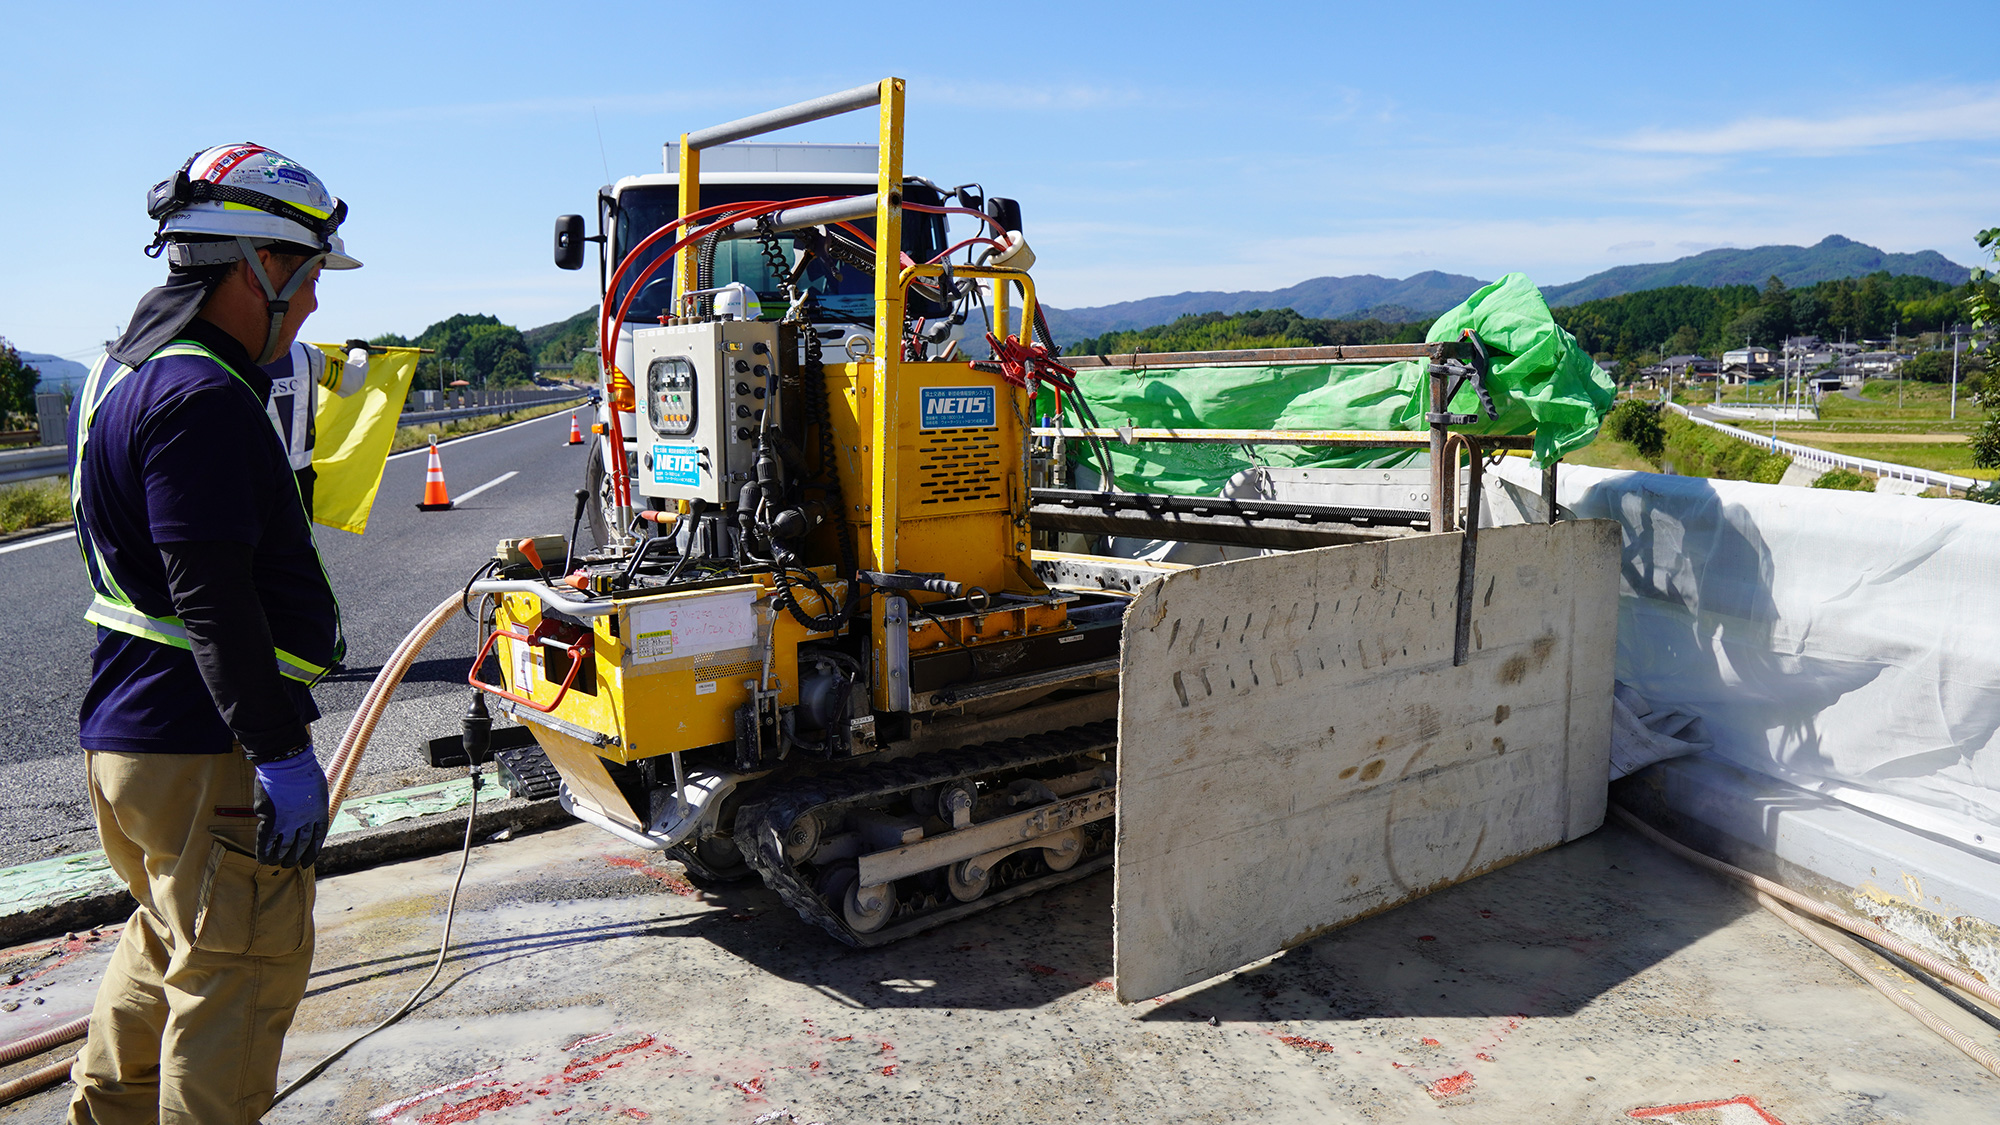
956, 468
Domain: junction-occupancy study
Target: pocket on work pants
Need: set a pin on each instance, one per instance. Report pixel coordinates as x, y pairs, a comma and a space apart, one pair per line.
251, 910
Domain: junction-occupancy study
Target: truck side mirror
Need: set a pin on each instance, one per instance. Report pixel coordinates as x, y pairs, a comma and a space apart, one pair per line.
1006, 212
569, 242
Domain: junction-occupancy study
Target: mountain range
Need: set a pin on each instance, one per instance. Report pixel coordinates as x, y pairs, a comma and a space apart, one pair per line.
1431, 292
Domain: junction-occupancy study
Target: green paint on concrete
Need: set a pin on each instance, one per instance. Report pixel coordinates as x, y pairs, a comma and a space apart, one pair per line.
402, 804
45, 882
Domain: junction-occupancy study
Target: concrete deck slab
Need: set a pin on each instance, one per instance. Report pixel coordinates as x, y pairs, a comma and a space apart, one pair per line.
1591, 982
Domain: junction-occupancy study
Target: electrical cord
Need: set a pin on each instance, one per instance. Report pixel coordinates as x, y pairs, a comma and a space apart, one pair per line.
444, 949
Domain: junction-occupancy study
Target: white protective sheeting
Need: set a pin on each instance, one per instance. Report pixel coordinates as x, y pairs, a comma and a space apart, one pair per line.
1841, 641
1642, 734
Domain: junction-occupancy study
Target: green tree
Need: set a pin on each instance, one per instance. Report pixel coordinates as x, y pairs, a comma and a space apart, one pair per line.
17, 381
1984, 301
1639, 423
1776, 304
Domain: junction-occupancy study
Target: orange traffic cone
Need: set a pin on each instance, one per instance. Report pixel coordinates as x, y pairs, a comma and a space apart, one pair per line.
436, 499
575, 434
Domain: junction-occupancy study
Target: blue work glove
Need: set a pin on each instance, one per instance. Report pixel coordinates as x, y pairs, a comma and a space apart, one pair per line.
291, 810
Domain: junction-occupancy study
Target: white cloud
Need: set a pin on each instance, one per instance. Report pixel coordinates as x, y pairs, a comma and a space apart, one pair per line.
1959, 115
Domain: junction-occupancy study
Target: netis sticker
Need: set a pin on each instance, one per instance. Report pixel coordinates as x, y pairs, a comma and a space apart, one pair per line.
677, 465
949, 408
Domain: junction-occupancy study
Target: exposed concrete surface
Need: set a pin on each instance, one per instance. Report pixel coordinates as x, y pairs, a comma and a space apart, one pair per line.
1578, 985
1377, 769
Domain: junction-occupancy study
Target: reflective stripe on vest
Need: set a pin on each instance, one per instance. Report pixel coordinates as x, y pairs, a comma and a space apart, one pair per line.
125, 618
112, 607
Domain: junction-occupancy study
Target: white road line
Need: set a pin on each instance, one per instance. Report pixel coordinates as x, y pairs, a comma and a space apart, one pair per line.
475, 437
503, 478
57, 537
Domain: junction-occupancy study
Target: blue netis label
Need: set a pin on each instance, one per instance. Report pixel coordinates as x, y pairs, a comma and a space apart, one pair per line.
677, 465
948, 408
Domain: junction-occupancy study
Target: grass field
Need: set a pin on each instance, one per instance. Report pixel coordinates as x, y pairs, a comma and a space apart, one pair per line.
1604, 453
33, 503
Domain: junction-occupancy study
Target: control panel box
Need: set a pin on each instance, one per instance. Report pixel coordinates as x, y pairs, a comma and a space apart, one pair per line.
704, 389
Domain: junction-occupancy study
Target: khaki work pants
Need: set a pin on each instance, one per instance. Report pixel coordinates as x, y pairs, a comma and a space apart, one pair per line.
191, 1016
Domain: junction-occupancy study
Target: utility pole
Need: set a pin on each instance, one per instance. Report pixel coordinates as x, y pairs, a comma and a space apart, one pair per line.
1954, 371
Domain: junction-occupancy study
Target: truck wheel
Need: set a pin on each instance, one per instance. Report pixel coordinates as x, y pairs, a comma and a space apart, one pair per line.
596, 514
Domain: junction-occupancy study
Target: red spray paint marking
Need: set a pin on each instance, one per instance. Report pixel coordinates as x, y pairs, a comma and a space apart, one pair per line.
466, 1111
667, 879
889, 1048
1305, 1044
1743, 1100
753, 1089
577, 1072
1451, 1087
64, 950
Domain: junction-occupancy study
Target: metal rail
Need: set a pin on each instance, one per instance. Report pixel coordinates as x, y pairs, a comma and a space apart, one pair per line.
1946, 481
453, 414
831, 105
32, 464
811, 215
1209, 519
1333, 353
1343, 439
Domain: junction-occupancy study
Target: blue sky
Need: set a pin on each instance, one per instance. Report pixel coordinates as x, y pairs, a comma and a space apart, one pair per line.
1155, 147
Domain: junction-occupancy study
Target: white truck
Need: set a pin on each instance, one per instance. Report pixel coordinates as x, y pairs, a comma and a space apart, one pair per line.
837, 273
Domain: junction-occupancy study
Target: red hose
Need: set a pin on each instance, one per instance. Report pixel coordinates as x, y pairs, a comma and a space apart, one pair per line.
956, 247
980, 215
621, 486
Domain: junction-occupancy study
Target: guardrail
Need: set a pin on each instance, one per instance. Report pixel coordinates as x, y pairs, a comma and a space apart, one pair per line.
427, 417
28, 464
1807, 453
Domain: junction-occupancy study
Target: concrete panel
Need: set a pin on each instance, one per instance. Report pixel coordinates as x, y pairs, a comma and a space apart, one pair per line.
1296, 749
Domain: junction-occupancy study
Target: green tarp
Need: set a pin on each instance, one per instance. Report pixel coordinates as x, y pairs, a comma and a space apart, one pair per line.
1541, 381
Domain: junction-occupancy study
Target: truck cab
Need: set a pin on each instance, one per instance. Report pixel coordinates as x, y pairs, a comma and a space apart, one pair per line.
842, 291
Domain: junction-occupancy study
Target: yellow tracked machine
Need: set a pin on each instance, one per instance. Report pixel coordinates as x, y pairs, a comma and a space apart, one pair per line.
815, 641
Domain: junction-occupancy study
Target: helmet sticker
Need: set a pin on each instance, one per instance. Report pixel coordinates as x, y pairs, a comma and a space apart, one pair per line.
226, 160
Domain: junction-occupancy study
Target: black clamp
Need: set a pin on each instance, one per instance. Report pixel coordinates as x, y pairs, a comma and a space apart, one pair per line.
1458, 374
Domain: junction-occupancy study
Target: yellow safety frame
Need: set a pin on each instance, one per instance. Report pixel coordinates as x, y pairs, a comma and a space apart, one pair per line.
885, 414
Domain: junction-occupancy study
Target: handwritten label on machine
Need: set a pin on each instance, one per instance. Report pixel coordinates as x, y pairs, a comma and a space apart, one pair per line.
693, 626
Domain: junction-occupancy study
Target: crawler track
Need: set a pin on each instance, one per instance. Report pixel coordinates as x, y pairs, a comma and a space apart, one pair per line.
760, 828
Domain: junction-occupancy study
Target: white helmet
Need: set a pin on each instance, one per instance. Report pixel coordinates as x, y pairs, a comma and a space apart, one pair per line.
247, 191
230, 201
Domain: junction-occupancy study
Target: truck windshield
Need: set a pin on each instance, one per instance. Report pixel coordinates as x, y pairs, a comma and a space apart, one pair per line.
844, 292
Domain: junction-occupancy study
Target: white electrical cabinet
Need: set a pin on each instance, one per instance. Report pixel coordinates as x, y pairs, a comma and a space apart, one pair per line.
704, 386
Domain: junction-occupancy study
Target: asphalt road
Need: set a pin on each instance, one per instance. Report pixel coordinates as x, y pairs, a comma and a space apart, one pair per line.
386, 581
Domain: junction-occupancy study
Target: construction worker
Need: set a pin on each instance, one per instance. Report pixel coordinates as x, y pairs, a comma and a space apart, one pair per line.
214, 617
296, 380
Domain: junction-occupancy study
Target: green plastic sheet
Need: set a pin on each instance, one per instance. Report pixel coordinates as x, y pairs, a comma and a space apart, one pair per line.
1541, 381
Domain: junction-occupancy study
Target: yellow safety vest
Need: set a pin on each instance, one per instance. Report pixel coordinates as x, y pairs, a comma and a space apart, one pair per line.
112, 607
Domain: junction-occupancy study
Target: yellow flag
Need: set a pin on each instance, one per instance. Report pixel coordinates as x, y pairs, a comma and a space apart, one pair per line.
353, 434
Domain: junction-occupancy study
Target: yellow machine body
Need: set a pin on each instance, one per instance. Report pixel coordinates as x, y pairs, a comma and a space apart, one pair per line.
666, 673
